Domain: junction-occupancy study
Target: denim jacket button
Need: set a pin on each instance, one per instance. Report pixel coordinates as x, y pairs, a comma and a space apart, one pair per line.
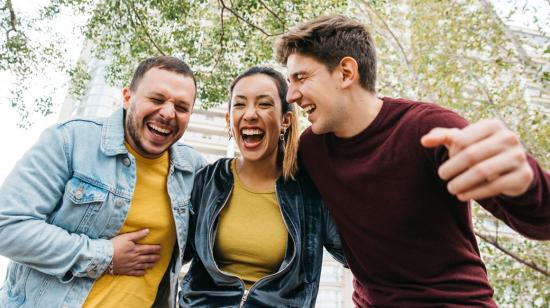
119, 203
91, 273
78, 194
126, 161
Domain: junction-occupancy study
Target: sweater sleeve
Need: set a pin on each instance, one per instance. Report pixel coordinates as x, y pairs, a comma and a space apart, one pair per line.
528, 214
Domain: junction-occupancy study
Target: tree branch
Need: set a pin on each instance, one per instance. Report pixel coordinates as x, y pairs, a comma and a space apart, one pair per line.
13, 19
142, 24
511, 36
222, 43
529, 264
274, 14
482, 87
412, 70
224, 6
222, 26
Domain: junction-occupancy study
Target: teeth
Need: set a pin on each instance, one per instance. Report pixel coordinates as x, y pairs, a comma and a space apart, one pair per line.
160, 130
309, 108
251, 131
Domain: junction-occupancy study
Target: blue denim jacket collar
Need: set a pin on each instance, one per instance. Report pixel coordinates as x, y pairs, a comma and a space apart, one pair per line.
112, 142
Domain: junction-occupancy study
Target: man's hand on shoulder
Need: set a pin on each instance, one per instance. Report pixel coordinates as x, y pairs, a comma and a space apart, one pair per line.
485, 159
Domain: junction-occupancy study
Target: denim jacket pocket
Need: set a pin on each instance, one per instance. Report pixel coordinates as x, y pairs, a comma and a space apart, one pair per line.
15, 284
81, 203
81, 192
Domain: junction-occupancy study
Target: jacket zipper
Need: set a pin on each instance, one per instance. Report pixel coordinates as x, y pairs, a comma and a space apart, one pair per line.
243, 299
246, 292
211, 240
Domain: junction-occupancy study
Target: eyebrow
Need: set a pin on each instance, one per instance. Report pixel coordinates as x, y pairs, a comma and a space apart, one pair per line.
162, 96
295, 74
257, 97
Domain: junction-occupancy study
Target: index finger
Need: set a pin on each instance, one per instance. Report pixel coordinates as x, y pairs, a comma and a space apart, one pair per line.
474, 133
439, 136
148, 249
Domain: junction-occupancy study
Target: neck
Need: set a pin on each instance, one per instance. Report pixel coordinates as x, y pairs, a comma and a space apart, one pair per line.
258, 174
362, 108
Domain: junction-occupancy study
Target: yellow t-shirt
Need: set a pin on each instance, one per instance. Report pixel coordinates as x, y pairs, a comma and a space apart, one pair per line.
252, 237
150, 208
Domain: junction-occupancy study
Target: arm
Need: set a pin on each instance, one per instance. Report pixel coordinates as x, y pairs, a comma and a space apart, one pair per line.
195, 200
486, 162
331, 236
28, 197
528, 213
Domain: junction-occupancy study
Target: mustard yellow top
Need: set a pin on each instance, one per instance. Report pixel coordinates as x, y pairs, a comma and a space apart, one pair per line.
251, 240
150, 208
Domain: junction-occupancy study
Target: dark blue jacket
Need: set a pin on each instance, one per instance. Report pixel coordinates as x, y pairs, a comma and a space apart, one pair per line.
296, 283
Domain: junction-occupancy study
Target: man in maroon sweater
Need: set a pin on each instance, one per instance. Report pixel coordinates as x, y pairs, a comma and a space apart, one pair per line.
397, 175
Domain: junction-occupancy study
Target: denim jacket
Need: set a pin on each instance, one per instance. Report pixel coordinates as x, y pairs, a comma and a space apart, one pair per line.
64, 200
296, 283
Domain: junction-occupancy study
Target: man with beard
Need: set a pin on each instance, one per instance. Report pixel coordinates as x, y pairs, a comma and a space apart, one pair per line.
95, 213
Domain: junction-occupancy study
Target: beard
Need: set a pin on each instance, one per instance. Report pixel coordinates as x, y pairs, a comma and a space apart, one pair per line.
132, 128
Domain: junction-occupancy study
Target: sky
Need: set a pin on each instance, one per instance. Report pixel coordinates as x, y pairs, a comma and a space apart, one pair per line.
17, 140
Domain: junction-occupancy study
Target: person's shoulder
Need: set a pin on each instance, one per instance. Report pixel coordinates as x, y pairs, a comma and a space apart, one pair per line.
75, 128
413, 106
82, 122
190, 154
185, 148
222, 163
309, 137
426, 115
220, 168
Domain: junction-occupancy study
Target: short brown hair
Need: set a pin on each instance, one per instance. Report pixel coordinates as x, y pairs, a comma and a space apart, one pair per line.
329, 39
171, 64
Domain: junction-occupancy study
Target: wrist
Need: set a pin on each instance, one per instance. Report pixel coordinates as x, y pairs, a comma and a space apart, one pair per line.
110, 269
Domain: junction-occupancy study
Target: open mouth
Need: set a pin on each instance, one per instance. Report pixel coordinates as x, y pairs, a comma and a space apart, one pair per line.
157, 130
252, 136
309, 108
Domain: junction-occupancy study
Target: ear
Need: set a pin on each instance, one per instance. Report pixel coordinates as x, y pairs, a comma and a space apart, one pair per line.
287, 119
349, 71
227, 120
126, 96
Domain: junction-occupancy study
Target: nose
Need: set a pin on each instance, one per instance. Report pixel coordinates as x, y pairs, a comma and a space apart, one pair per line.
293, 95
250, 113
167, 111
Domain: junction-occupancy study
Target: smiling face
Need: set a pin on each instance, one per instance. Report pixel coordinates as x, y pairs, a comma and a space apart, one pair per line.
317, 91
157, 111
255, 117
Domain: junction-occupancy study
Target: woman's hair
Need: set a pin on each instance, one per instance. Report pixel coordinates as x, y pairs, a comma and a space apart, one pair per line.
287, 157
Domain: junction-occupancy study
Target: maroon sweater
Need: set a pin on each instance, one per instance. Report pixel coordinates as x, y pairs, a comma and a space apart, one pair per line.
409, 243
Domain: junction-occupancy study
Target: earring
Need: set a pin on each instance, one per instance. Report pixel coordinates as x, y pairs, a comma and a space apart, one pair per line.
282, 135
282, 138
229, 133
